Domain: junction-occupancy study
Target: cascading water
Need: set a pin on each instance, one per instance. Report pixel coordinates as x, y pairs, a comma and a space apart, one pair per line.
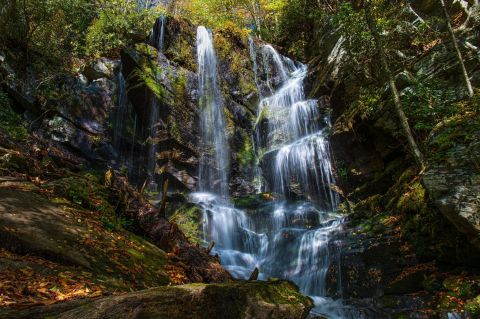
225, 225
214, 162
151, 144
157, 35
162, 33
157, 40
120, 113
287, 239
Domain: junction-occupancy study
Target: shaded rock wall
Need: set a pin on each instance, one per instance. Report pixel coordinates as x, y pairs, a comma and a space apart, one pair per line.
169, 79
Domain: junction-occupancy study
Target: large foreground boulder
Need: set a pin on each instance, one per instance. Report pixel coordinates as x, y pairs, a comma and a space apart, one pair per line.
454, 185
277, 299
61, 232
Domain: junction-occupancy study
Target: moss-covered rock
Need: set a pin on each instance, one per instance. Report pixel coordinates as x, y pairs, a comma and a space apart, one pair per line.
62, 232
260, 300
453, 180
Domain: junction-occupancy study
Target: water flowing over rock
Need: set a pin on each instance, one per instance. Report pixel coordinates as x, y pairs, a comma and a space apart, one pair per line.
157, 37
288, 240
214, 159
296, 152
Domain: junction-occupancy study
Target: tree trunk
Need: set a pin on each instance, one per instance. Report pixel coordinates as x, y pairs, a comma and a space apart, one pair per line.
151, 222
417, 154
256, 17
457, 50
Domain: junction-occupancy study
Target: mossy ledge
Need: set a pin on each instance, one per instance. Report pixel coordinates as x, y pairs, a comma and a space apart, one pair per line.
272, 299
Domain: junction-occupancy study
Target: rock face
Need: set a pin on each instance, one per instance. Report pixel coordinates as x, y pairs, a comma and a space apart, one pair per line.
162, 87
81, 118
242, 300
455, 187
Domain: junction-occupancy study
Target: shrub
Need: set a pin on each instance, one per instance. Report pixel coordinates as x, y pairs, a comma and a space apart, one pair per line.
10, 121
118, 25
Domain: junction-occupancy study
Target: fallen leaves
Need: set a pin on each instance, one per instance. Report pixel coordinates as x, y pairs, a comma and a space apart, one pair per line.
29, 280
177, 274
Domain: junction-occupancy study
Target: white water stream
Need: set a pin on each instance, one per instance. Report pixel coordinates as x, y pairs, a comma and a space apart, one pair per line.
283, 239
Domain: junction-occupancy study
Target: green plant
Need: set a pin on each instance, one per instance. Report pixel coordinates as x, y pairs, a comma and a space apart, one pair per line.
188, 218
429, 102
473, 307
246, 155
118, 24
10, 121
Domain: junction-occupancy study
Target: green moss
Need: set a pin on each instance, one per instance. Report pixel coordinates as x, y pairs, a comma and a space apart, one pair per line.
181, 53
389, 301
11, 122
413, 200
457, 130
461, 287
148, 73
188, 218
473, 307
223, 46
250, 202
246, 155
369, 206
88, 193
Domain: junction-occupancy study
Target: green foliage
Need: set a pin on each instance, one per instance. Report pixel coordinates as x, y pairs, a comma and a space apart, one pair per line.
342, 169
188, 218
56, 32
119, 24
429, 102
246, 155
258, 16
52, 29
300, 23
473, 307
10, 121
369, 101
358, 42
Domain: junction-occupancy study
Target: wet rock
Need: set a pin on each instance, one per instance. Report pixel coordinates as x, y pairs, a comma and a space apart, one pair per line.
409, 281
167, 80
80, 120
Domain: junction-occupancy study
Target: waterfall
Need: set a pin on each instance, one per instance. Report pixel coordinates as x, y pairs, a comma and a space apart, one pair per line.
285, 239
151, 142
157, 35
228, 227
162, 33
214, 161
295, 142
120, 113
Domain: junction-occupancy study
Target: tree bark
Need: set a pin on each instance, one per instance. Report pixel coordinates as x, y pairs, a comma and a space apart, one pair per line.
150, 222
254, 275
417, 154
457, 50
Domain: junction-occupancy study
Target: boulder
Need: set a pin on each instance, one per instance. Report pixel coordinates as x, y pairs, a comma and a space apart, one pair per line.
101, 68
454, 184
238, 300
35, 225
